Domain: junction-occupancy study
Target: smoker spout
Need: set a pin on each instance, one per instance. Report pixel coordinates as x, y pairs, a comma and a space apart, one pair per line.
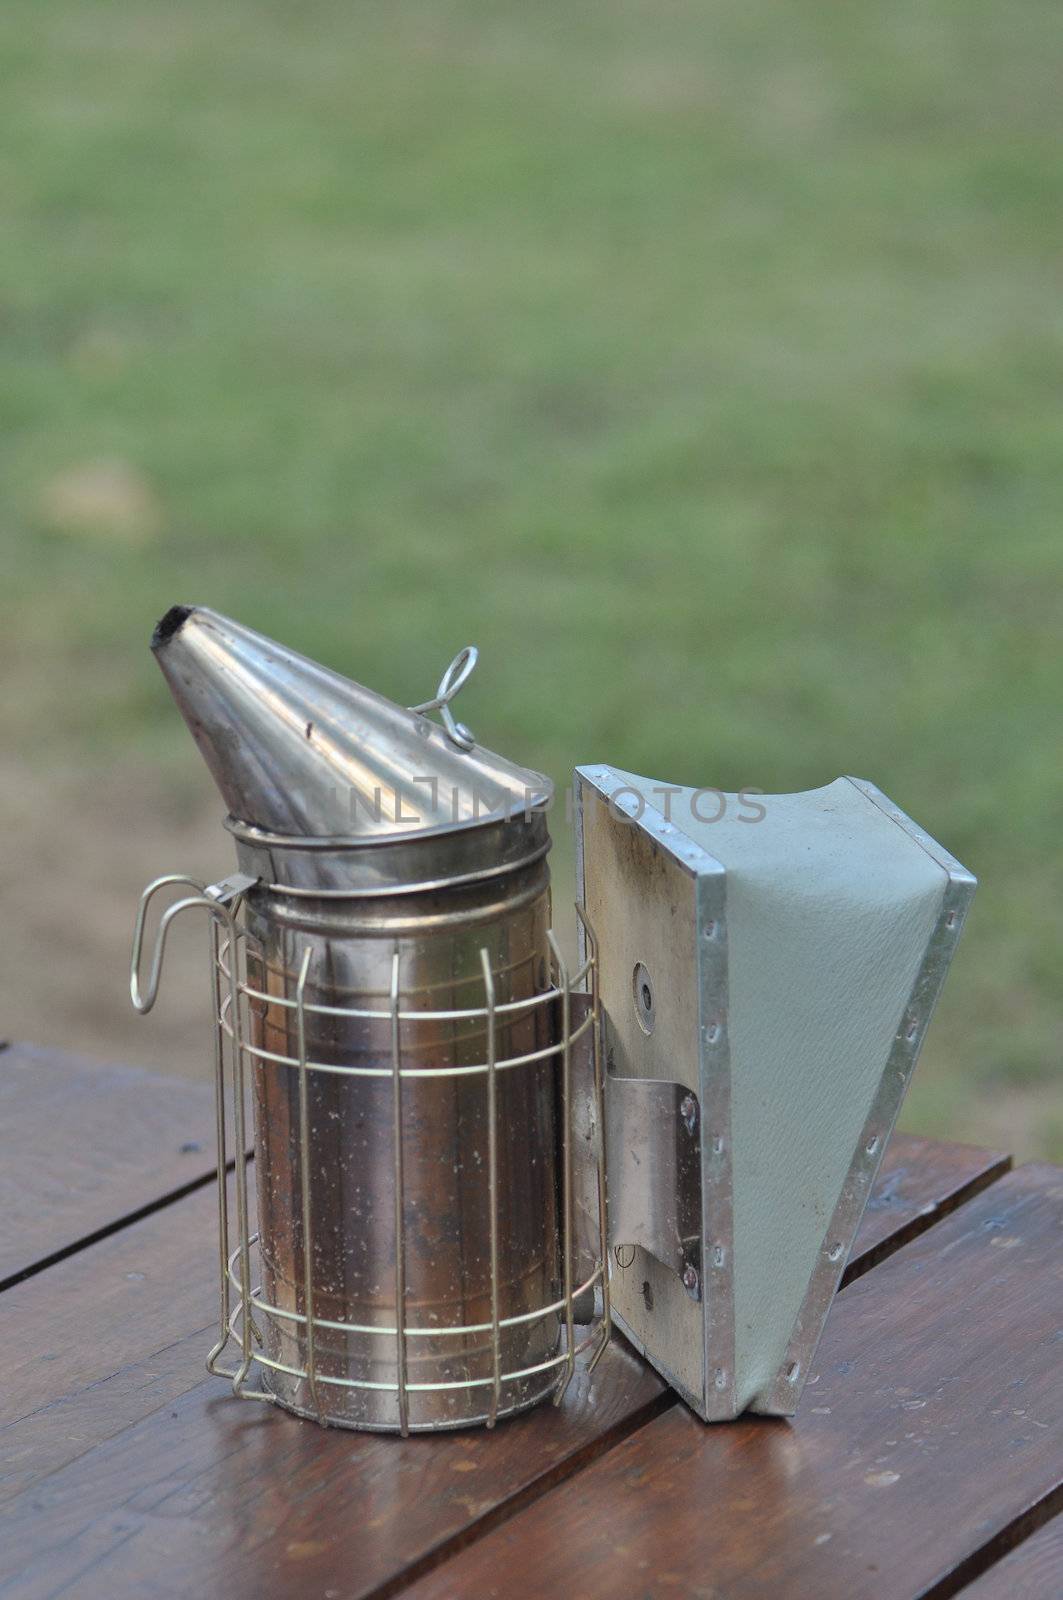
168, 625
299, 750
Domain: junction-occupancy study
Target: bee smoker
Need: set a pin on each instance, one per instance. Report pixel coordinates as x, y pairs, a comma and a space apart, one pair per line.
394, 1008
470, 1162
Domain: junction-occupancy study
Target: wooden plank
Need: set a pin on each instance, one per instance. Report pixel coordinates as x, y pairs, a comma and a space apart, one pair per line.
119, 1328
364, 1506
929, 1431
919, 1182
85, 1146
211, 1495
1033, 1571
105, 1336
111, 1333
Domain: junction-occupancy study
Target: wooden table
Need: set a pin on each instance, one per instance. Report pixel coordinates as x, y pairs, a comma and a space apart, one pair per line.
926, 1458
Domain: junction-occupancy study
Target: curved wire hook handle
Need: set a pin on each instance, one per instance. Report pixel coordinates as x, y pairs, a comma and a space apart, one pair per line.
144, 1000
454, 679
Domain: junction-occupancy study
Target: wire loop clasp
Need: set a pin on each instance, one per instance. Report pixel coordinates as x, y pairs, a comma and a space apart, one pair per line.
453, 680
220, 900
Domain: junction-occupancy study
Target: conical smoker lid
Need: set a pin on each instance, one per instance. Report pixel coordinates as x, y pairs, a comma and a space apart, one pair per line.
301, 751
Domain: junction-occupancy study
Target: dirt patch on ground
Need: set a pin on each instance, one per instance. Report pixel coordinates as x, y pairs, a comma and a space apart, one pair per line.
78, 851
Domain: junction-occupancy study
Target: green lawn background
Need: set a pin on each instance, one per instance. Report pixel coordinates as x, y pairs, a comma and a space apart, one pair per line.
700, 363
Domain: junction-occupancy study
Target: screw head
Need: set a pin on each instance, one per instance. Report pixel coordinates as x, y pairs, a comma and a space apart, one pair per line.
688, 1110
691, 1282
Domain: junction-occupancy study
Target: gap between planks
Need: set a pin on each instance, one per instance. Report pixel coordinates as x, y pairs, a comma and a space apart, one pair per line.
1009, 1538
109, 1228
1030, 1570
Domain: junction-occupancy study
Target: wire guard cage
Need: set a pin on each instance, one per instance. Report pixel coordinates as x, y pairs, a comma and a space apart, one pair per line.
307, 1362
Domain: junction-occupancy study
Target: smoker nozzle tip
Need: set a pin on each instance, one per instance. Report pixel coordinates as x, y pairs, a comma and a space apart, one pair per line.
170, 624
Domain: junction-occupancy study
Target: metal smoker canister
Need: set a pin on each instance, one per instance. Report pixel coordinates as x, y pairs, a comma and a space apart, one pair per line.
400, 871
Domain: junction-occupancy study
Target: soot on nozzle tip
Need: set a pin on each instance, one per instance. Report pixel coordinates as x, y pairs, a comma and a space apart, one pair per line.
170, 624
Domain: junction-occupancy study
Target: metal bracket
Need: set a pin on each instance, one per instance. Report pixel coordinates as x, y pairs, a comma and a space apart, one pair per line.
653, 1161
226, 890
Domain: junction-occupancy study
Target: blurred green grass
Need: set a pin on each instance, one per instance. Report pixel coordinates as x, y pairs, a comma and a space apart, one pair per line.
704, 366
